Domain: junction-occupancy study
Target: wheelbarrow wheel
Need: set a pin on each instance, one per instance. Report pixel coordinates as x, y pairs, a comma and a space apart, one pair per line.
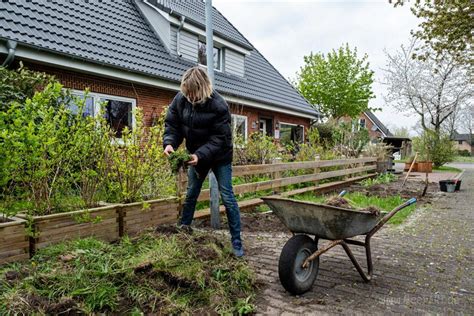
294, 278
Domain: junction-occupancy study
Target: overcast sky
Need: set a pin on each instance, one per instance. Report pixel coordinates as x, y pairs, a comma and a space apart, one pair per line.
285, 31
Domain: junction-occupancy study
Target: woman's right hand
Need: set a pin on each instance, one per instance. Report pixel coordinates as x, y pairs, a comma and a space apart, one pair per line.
168, 150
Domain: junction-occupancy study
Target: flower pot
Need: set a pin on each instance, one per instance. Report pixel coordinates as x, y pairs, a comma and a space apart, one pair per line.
382, 166
424, 166
14, 243
135, 217
101, 223
408, 164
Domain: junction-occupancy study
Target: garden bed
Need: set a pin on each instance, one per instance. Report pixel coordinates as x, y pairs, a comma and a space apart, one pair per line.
101, 222
163, 272
14, 244
384, 196
141, 215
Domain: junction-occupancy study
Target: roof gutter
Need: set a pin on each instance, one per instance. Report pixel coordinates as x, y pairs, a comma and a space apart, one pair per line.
11, 46
178, 36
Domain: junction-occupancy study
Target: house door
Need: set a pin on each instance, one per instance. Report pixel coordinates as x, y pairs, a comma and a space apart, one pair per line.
265, 126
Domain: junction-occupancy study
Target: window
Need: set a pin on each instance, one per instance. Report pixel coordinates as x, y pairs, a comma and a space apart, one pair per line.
460, 142
202, 56
291, 133
88, 109
361, 124
239, 125
118, 114
118, 111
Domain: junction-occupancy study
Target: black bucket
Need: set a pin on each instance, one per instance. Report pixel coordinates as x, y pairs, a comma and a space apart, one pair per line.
458, 184
443, 184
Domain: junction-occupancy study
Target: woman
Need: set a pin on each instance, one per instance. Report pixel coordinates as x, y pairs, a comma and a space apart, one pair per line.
201, 116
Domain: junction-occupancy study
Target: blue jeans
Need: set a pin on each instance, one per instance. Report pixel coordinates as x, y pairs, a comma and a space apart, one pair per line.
223, 175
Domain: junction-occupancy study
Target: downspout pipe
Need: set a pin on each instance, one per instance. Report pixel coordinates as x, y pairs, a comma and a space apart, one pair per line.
11, 46
178, 36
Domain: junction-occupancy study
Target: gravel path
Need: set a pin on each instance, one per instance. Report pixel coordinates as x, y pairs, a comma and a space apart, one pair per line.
423, 266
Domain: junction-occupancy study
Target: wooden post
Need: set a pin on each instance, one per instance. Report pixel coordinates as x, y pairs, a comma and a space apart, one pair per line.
276, 175
317, 170
180, 190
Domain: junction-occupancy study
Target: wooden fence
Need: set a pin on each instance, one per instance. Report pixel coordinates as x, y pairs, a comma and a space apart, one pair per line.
350, 169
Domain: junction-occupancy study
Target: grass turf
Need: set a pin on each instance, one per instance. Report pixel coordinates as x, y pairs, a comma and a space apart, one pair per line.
168, 273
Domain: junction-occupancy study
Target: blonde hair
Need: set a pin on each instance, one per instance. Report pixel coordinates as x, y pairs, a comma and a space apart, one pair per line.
196, 85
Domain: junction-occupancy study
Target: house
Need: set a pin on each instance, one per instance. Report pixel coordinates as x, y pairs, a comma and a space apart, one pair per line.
132, 53
378, 132
464, 142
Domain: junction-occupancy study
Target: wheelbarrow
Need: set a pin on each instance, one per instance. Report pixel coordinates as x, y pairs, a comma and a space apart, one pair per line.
299, 259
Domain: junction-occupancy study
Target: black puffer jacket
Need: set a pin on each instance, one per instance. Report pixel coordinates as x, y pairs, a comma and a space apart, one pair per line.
206, 128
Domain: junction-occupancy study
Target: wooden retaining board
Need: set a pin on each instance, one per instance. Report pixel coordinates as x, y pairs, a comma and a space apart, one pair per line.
14, 243
139, 216
56, 228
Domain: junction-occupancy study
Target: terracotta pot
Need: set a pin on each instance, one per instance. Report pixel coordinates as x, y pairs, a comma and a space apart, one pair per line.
408, 164
425, 166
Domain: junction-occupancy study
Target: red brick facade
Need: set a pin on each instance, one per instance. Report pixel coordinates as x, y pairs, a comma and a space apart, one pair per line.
369, 125
153, 99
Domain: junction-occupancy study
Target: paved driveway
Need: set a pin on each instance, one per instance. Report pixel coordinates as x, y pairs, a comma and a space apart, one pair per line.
424, 266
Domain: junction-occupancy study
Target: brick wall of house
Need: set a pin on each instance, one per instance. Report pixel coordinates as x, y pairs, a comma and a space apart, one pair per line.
152, 99
368, 125
463, 146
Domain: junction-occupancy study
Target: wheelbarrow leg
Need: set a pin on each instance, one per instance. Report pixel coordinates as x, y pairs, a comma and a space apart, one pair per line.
366, 277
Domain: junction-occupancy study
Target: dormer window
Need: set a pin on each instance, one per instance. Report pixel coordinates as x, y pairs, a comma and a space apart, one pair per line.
202, 56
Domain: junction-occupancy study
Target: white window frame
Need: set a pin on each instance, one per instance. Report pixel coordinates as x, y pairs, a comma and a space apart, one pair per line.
246, 124
96, 101
291, 124
221, 59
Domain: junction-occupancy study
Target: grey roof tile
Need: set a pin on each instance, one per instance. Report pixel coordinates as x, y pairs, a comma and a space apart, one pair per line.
379, 124
115, 33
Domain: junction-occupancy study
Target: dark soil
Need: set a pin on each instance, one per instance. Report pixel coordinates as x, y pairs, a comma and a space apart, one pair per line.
64, 307
412, 188
338, 202
372, 210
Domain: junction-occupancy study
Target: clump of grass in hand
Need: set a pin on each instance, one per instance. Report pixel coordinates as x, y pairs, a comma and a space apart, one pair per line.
157, 273
178, 159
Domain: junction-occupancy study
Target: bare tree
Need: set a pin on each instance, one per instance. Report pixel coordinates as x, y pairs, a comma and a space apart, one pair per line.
433, 89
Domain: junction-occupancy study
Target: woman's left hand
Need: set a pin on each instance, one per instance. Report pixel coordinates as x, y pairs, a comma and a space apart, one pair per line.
193, 161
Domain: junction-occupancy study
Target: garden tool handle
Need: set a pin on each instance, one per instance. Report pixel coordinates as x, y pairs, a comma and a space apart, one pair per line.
343, 192
390, 215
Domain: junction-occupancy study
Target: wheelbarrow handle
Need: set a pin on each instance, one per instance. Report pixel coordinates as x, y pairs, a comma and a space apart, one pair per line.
390, 214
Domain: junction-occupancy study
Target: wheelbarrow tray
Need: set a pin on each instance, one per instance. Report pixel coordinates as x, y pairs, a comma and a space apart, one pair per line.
323, 221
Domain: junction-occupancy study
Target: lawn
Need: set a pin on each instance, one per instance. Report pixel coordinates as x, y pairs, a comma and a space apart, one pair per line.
464, 159
157, 273
446, 169
360, 201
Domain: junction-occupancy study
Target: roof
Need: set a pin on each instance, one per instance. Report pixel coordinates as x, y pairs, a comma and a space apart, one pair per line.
464, 137
377, 122
114, 33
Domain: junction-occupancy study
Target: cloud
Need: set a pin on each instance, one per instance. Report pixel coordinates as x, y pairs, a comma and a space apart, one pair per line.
285, 31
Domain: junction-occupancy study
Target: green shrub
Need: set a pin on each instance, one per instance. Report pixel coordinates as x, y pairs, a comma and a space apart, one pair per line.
437, 148
464, 153
20, 84
138, 168
258, 149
